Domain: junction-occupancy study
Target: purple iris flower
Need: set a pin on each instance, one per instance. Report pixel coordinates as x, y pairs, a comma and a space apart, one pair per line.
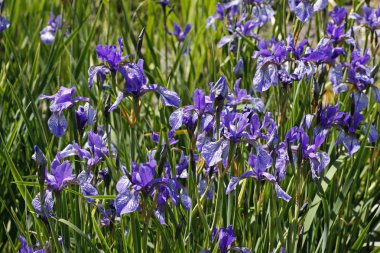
323, 53
331, 116
97, 149
135, 80
336, 32
143, 180
181, 35
62, 100
189, 115
260, 162
135, 86
61, 175
304, 9
371, 18
265, 130
48, 33
270, 58
359, 74
111, 54
242, 26
226, 237
318, 159
26, 248
220, 89
4, 23
234, 126
85, 114
338, 14
297, 50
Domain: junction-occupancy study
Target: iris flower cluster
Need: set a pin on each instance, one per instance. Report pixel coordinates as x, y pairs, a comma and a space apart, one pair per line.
227, 123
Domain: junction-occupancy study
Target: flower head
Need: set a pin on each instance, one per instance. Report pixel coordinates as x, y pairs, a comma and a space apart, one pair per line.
111, 54
62, 100
181, 35
4, 23
61, 175
48, 33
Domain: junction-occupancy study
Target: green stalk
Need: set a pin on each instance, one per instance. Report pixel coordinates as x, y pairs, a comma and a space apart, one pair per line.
64, 230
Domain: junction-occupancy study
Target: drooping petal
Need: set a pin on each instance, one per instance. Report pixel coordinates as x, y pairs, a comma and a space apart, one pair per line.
373, 133
89, 190
320, 5
85, 177
263, 161
235, 180
186, 201
127, 202
360, 101
123, 184
176, 119
48, 203
336, 77
225, 40
265, 77
119, 98
351, 143
281, 193
214, 152
304, 11
160, 214
57, 124
168, 97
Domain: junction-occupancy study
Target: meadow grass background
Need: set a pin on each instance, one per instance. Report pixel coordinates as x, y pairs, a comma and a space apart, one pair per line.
342, 216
